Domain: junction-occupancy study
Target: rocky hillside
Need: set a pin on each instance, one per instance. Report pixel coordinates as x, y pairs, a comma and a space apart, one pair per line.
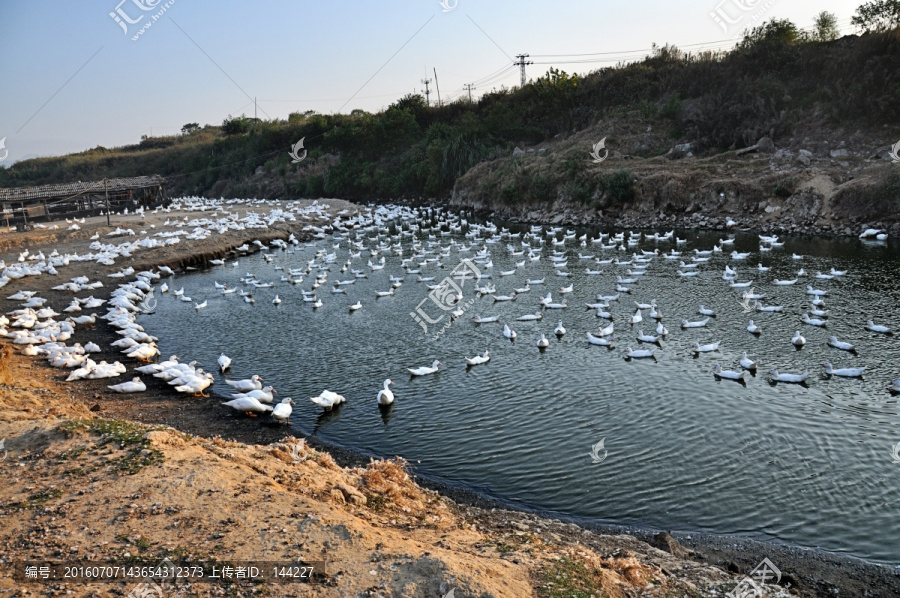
812, 182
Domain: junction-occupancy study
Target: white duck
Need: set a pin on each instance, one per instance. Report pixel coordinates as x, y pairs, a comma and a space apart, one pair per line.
661, 330
603, 342
560, 330
356, 306
638, 354
282, 411
844, 346
529, 317
746, 362
327, 399
815, 292
844, 372
636, 318
252, 383
136, 385
752, 328
385, 396
647, 338
248, 405
263, 395
479, 359
543, 343
798, 340
195, 385
705, 311
508, 332
812, 321
698, 324
870, 325
720, 373
792, 378
698, 348
425, 370
224, 362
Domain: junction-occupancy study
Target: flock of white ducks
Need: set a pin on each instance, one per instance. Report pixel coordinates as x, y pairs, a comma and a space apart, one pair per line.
40, 333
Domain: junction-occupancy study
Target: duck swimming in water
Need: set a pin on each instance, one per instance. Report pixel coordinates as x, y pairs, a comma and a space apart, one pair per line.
834, 342
747, 363
425, 370
639, 353
720, 373
870, 325
385, 396
844, 372
791, 378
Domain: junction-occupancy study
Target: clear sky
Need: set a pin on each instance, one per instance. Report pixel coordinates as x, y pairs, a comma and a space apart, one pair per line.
72, 78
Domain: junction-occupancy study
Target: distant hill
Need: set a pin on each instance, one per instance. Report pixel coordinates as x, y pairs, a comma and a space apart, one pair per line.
683, 114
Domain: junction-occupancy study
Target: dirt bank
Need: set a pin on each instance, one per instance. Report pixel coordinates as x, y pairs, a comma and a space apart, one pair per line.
112, 478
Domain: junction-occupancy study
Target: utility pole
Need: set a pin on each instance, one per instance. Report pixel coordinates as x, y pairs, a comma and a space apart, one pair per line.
427, 82
438, 87
254, 107
521, 64
469, 87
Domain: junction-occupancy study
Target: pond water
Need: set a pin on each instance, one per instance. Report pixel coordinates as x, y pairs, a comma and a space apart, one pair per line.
806, 465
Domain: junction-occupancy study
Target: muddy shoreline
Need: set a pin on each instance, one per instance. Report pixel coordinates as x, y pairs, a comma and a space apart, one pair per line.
814, 573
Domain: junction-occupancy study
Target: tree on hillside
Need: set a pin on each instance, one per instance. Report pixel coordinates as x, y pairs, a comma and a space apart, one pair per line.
190, 128
236, 125
825, 28
772, 32
878, 15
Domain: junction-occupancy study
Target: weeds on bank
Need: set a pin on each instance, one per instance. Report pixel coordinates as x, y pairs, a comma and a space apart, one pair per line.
569, 578
37, 499
127, 435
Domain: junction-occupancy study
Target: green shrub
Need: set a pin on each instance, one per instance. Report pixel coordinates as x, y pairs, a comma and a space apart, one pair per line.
617, 187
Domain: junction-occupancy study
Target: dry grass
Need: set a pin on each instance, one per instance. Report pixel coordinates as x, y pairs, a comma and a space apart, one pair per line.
6, 375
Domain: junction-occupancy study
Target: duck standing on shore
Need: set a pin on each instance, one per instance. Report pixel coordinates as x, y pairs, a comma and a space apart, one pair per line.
282, 411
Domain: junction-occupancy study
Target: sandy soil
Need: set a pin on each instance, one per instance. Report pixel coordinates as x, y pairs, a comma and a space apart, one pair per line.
112, 478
